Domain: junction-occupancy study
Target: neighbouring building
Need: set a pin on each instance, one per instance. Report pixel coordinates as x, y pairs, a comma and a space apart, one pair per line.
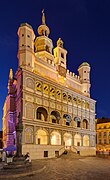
103, 134
55, 104
1, 140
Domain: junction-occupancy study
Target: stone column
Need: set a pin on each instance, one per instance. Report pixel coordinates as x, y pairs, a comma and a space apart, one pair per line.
73, 134
34, 138
81, 139
62, 140
19, 129
49, 138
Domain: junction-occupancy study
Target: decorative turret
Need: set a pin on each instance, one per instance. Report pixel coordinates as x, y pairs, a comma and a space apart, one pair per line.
60, 58
43, 44
26, 46
84, 74
10, 83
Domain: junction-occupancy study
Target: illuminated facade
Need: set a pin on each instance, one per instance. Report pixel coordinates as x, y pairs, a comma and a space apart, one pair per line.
103, 134
57, 111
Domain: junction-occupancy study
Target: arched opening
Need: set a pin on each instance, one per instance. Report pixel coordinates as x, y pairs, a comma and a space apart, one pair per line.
85, 140
55, 138
41, 137
78, 121
77, 140
67, 139
41, 114
55, 117
68, 119
85, 124
28, 135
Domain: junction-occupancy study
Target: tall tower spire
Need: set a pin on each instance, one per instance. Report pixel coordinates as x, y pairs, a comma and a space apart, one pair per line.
11, 74
43, 18
43, 30
43, 44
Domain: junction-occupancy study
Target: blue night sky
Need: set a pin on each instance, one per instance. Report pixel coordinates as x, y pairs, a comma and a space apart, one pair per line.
83, 25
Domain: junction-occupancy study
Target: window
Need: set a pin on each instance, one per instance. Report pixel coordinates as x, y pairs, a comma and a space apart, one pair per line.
104, 133
78, 123
85, 79
64, 97
99, 134
56, 153
22, 35
45, 153
62, 62
39, 115
84, 71
99, 141
67, 123
28, 46
22, 44
104, 141
38, 140
78, 143
28, 36
62, 55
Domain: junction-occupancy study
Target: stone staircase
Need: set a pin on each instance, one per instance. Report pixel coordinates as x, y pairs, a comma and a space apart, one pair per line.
70, 155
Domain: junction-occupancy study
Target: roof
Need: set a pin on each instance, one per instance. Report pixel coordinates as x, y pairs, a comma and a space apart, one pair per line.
26, 24
103, 120
84, 64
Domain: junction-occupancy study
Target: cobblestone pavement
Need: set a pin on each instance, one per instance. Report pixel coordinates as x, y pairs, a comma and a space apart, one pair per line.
67, 167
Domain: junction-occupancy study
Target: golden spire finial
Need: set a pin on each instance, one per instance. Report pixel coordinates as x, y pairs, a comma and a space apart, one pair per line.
43, 17
11, 74
60, 43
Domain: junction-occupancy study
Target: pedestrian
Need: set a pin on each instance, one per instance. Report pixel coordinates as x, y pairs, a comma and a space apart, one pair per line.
3, 156
27, 157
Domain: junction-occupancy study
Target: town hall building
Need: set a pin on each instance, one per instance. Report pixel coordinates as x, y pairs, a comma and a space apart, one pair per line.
56, 109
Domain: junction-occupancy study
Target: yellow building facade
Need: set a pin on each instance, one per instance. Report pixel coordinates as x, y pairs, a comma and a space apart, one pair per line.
103, 134
55, 104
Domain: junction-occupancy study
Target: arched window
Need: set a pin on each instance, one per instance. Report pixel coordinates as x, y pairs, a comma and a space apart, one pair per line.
41, 137
68, 119
67, 139
28, 135
85, 124
77, 140
58, 94
55, 117
52, 91
64, 97
38, 86
69, 98
41, 114
85, 140
55, 138
45, 89
78, 121
75, 101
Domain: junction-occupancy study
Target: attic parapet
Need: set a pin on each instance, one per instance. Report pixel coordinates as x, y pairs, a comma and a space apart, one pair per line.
73, 75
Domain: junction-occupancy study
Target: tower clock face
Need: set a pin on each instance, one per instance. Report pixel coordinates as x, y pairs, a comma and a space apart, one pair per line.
62, 71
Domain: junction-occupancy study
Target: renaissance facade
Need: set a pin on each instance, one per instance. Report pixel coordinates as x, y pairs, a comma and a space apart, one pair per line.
55, 105
103, 134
